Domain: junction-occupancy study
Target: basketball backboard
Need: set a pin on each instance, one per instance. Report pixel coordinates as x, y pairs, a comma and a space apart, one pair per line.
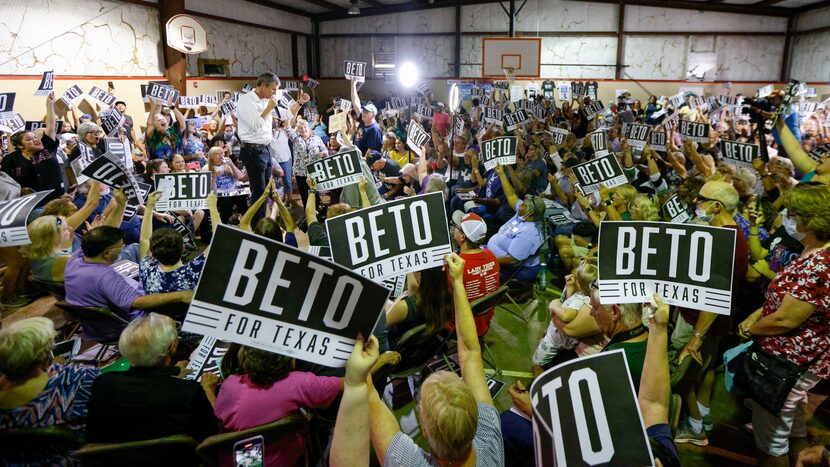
523, 55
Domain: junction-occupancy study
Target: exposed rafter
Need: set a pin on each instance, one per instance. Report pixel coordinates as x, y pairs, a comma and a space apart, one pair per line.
700, 6
765, 3
326, 4
375, 3
411, 6
277, 6
814, 6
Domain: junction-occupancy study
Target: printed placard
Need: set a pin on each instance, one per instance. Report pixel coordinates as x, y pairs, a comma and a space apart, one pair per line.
72, 95
738, 154
189, 102
121, 151
345, 105
354, 71
286, 101
675, 210
733, 101
126, 268
714, 104
228, 107
818, 153
12, 125
7, 105
47, 84
391, 239
312, 84
422, 87
592, 109
187, 190
398, 102
499, 151
32, 126
111, 120
559, 135
187, 234
677, 99
681, 262
208, 358
513, 120
605, 170
162, 94
291, 85
585, 412
265, 294
337, 122
657, 140
492, 115
417, 138
100, 96
601, 143
13, 215
638, 135
336, 171
697, 102
111, 171
425, 111
766, 90
670, 123
693, 131
207, 100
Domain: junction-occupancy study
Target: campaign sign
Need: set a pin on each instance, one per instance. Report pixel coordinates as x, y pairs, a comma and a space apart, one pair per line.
492, 115
47, 84
592, 109
312, 84
111, 171
189, 102
126, 268
681, 262
186, 190
451, 363
12, 125
228, 107
7, 105
354, 71
585, 412
345, 105
208, 358
207, 100
498, 151
100, 96
638, 135
559, 135
425, 111
72, 95
13, 215
119, 150
32, 126
337, 122
657, 140
677, 99
417, 138
738, 154
391, 239
675, 210
336, 171
265, 294
513, 120
818, 153
458, 125
605, 170
162, 94
601, 143
292, 86
111, 120
698, 132
187, 234
398, 102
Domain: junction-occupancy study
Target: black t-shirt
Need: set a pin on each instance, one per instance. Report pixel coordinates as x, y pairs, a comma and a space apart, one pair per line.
128, 125
40, 173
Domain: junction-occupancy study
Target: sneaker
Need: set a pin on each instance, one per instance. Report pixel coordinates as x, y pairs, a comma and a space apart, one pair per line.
685, 434
707, 422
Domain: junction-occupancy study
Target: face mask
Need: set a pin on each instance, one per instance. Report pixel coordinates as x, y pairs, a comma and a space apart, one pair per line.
791, 226
703, 215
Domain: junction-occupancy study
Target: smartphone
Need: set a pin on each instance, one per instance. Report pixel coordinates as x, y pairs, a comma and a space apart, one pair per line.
249, 452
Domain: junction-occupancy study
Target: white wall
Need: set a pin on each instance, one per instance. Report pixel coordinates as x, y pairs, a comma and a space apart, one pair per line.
811, 52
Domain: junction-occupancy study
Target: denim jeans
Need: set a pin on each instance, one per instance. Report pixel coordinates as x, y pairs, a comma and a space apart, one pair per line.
287, 168
257, 162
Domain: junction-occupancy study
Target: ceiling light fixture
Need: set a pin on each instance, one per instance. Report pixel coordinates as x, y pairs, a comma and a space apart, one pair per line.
353, 9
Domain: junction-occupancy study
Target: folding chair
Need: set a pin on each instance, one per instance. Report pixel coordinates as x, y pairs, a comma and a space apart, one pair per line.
170, 450
218, 447
92, 314
482, 306
16, 443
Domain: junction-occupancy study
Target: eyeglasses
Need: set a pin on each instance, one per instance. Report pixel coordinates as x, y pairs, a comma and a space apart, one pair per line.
58, 221
702, 199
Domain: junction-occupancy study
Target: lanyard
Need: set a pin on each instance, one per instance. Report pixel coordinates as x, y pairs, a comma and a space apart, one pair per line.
626, 335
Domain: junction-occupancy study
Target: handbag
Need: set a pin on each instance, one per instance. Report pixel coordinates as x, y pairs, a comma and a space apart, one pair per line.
766, 378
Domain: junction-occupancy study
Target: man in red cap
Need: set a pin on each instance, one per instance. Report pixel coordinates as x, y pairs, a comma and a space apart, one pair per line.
481, 267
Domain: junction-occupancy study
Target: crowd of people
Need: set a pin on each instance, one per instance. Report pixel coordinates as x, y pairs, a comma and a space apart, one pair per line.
502, 233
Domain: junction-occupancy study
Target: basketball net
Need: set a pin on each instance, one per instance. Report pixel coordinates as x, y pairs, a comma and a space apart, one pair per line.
509, 74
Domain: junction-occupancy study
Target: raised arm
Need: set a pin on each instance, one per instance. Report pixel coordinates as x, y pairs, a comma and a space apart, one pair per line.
116, 215
655, 384
286, 216
795, 152
469, 350
364, 198
355, 98
509, 192
92, 198
147, 225
50, 116
151, 118
245, 221
180, 119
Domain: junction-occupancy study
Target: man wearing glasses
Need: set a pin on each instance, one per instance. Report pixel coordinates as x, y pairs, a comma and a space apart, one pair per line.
90, 280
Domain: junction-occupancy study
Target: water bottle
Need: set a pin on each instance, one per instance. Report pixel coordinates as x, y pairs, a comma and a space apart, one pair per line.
543, 276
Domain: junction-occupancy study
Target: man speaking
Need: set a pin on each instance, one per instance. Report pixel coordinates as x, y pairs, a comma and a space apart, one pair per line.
255, 113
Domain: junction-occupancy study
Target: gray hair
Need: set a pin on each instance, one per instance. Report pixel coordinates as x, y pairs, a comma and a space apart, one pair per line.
146, 341
24, 344
267, 79
85, 128
631, 314
436, 183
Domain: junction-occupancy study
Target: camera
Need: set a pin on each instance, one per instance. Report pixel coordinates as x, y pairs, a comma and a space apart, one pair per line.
756, 106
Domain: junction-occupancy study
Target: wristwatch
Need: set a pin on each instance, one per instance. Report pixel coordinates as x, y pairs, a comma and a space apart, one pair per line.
608, 202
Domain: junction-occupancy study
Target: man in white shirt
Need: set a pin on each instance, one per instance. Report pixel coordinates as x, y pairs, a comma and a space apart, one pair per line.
281, 158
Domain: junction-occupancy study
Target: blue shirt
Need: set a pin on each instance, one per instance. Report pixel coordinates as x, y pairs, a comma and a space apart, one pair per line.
791, 120
372, 137
517, 238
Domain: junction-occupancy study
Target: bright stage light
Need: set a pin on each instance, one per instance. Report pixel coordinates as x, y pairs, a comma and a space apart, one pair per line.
408, 74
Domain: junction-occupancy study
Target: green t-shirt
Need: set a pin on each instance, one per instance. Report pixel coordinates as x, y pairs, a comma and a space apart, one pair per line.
635, 353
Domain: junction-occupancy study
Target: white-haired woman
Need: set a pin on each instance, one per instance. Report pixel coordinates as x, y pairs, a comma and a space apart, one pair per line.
35, 392
148, 400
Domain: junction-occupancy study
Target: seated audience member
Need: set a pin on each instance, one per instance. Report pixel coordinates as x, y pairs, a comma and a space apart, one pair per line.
268, 226
161, 268
111, 205
269, 389
481, 267
224, 177
623, 325
91, 281
35, 392
317, 234
426, 302
149, 400
521, 236
457, 417
533, 162
382, 168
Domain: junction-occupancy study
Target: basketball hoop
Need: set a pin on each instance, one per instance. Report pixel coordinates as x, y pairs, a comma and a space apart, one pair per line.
509, 73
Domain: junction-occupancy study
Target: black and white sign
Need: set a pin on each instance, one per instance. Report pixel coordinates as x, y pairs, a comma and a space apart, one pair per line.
398, 102
120, 150
187, 234
559, 135
32, 126
162, 94
286, 101
265, 294
492, 115
7, 105
675, 210
425, 111
689, 265
818, 153
738, 154
189, 102
450, 363
228, 107
601, 143
207, 100
126, 268
354, 71
12, 125
312, 84
100, 96
592, 109
677, 99
345, 105
292, 86
13, 215
111, 120
72, 95
186, 190
208, 358
498, 151
390, 239
657, 140
692, 131
458, 125
111, 171
47, 84
513, 120
417, 138
422, 87
605, 170
585, 412
638, 135
336, 171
